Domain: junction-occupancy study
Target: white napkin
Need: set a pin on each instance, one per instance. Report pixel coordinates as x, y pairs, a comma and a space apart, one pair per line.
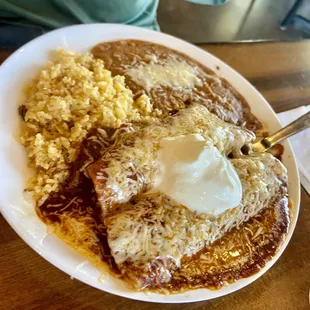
300, 143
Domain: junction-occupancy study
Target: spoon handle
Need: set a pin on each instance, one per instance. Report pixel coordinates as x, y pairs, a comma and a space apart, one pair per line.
298, 125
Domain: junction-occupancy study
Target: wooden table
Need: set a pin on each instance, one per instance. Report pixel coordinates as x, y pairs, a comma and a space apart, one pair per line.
281, 72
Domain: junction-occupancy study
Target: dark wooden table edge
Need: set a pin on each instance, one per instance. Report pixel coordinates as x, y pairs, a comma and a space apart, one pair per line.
260, 41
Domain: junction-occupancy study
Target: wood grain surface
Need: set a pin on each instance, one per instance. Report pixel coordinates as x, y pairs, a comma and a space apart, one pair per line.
281, 72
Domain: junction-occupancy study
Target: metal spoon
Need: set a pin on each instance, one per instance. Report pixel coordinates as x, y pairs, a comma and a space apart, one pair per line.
291, 129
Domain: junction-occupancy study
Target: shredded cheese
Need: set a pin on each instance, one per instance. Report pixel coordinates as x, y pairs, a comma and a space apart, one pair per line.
174, 74
158, 230
130, 164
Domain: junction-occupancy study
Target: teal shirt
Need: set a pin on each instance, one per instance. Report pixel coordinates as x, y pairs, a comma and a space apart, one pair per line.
59, 13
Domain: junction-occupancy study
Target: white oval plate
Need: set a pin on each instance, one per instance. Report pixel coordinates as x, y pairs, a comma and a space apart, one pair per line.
23, 65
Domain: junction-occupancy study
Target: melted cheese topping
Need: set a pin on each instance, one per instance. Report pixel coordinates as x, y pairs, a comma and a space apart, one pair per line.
194, 173
174, 74
129, 165
157, 231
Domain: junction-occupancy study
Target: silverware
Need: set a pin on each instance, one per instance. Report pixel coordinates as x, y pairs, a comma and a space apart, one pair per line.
291, 129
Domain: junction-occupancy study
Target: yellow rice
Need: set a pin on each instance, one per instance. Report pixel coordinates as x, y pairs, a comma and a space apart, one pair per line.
72, 95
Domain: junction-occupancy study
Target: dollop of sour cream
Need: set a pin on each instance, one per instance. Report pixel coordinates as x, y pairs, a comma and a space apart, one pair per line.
194, 173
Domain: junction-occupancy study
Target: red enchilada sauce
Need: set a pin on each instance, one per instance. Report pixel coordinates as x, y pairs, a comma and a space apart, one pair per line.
77, 199
211, 268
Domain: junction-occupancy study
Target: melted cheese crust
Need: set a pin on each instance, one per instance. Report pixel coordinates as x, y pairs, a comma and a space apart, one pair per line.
149, 233
128, 167
157, 229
